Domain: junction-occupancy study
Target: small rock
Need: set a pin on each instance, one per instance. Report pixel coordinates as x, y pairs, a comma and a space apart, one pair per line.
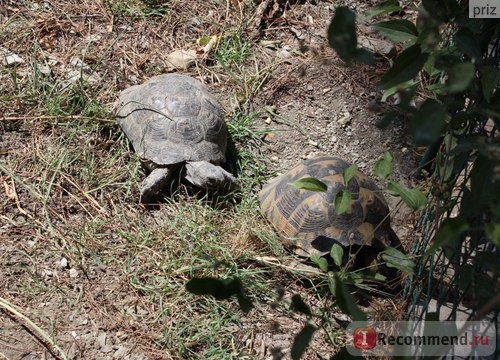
101, 340
53, 60
136, 312
309, 156
404, 150
63, 263
378, 46
43, 69
48, 273
195, 21
93, 38
270, 137
344, 119
73, 273
73, 76
270, 44
78, 63
120, 352
73, 352
284, 53
20, 219
120, 335
299, 34
275, 159
107, 348
9, 58
312, 143
343, 318
180, 59
268, 120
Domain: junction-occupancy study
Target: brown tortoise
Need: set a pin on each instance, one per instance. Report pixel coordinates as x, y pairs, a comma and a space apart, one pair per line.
308, 219
175, 125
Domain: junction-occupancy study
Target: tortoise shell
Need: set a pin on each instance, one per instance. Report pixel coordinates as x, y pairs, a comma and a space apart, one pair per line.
173, 118
308, 219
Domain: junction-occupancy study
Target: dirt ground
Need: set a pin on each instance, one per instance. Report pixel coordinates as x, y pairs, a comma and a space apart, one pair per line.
306, 103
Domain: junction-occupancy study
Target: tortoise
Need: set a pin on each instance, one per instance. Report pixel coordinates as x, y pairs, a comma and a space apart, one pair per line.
175, 125
308, 220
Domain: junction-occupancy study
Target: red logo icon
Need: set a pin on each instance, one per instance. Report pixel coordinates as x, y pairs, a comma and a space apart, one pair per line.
365, 338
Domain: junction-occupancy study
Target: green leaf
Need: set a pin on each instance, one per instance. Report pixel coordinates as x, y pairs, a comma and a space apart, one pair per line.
445, 165
430, 65
400, 87
310, 184
345, 300
414, 198
349, 173
337, 254
301, 341
493, 233
383, 8
459, 77
467, 42
396, 259
204, 40
450, 231
490, 77
342, 33
320, 261
379, 277
406, 66
332, 284
481, 181
299, 305
446, 61
342, 201
383, 166
428, 122
400, 30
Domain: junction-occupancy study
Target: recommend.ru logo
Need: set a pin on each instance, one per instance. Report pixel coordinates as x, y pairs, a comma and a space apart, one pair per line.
422, 338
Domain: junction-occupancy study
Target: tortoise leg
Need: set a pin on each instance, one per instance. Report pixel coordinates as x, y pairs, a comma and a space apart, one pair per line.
153, 183
210, 176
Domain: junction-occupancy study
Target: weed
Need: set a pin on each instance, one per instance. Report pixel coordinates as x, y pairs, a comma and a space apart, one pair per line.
233, 48
124, 8
154, 7
137, 8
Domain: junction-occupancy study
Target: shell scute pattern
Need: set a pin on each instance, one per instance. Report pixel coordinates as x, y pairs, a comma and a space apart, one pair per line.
173, 118
308, 219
